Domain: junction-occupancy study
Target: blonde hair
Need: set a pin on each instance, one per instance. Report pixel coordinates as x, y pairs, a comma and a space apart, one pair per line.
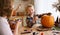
29, 5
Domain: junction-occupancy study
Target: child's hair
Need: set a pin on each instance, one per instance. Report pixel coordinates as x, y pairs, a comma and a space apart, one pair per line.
3, 13
30, 5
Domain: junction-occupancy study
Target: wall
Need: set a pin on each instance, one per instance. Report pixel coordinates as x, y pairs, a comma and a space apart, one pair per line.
45, 6
59, 1
22, 3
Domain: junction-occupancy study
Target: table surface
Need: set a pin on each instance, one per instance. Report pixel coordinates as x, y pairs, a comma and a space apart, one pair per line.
34, 29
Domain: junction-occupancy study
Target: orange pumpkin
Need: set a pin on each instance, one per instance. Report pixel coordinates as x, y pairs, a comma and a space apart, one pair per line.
47, 21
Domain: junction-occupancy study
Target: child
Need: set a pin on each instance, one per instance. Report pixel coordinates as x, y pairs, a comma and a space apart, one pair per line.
30, 15
4, 26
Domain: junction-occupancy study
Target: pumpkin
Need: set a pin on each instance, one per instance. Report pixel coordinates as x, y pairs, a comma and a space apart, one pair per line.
47, 21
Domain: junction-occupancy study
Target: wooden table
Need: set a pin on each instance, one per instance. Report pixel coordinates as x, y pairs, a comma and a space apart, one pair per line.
21, 29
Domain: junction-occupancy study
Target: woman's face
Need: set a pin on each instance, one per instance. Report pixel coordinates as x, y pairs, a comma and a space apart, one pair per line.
30, 10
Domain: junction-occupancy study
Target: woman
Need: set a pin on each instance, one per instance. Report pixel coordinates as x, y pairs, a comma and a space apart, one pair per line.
30, 16
4, 26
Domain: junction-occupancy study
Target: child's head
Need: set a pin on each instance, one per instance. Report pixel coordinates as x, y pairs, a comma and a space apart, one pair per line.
30, 9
